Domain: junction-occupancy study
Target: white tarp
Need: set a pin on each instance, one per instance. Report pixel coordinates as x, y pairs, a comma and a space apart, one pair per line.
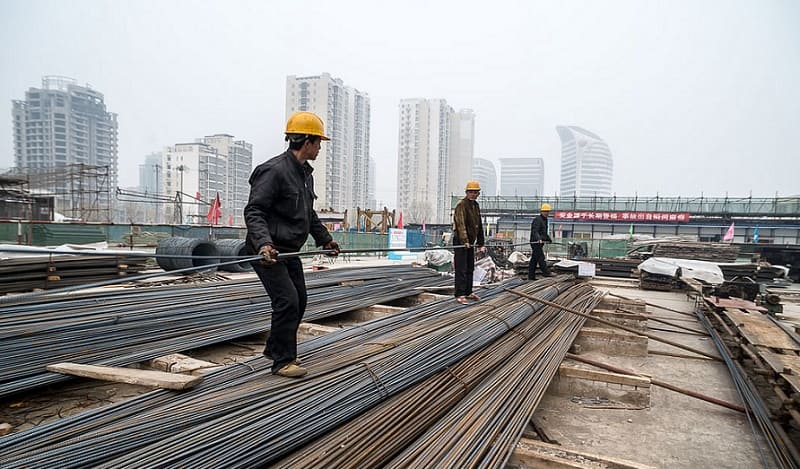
585, 269
438, 257
708, 272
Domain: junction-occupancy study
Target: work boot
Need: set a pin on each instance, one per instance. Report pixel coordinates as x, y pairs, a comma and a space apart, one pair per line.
292, 371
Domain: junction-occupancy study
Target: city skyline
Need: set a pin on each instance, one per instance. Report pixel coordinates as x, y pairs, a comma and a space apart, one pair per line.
694, 84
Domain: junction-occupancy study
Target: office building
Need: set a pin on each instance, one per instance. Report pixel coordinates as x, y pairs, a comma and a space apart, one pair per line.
484, 172
586, 163
521, 177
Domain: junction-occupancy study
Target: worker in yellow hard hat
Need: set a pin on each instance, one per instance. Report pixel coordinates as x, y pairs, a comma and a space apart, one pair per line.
467, 232
279, 216
539, 236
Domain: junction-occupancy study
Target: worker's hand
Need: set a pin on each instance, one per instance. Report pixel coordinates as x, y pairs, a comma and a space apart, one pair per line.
269, 254
334, 246
467, 245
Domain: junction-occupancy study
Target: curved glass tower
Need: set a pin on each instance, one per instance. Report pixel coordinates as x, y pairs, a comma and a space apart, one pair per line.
586, 163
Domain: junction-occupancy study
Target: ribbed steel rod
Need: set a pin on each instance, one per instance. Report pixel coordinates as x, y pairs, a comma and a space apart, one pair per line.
122, 327
243, 416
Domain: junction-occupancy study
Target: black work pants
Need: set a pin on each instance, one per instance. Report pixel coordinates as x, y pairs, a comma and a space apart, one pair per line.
464, 264
286, 287
537, 257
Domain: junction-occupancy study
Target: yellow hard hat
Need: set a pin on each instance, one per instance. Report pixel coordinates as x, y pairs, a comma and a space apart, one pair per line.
545, 208
306, 123
473, 186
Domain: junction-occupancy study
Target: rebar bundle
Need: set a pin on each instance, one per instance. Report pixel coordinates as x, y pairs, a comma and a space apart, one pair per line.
513, 365
242, 416
133, 325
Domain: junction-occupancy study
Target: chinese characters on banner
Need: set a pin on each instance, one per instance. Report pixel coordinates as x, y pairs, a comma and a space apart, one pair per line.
627, 217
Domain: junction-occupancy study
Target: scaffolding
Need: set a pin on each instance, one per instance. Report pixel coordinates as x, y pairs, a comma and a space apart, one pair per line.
81, 192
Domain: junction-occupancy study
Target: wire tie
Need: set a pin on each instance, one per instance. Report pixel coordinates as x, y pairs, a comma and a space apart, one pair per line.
378, 384
455, 376
245, 364
508, 326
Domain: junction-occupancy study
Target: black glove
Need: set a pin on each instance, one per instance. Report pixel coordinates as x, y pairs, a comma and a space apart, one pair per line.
269, 254
332, 245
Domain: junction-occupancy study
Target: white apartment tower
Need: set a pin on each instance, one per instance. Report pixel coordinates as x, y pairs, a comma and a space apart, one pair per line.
521, 177
197, 172
342, 167
238, 157
435, 153
586, 163
483, 171
462, 151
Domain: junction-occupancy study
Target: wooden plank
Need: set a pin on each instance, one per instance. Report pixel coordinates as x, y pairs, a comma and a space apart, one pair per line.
179, 363
759, 330
735, 303
383, 309
787, 365
536, 454
314, 330
604, 376
158, 379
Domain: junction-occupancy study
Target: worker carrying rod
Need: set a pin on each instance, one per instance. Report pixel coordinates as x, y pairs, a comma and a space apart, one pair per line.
539, 236
467, 231
279, 216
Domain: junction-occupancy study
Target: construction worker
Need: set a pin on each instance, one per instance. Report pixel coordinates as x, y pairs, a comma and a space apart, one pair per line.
539, 236
279, 216
467, 231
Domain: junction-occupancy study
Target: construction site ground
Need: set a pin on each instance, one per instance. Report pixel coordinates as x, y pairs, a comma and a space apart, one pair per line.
658, 428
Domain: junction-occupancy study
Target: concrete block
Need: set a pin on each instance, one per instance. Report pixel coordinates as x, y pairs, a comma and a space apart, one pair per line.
576, 381
611, 342
635, 321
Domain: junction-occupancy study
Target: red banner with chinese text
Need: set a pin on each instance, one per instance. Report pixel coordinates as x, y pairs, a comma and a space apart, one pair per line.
628, 217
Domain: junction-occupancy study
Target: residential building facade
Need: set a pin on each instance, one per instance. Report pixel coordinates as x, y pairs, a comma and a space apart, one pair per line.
196, 172
435, 152
342, 166
64, 134
587, 166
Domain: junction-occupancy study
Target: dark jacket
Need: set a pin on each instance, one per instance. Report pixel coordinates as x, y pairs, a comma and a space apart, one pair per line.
280, 210
467, 222
539, 230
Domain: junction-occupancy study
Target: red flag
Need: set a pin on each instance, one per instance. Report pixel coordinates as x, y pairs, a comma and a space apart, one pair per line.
400, 221
215, 212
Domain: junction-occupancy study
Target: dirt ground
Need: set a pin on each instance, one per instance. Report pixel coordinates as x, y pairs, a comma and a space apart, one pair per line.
677, 431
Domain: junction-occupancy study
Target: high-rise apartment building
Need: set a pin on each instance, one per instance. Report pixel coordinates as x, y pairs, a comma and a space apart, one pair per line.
521, 176
342, 166
238, 157
197, 172
586, 163
462, 151
484, 172
435, 152
63, 129
372, 203
150, 174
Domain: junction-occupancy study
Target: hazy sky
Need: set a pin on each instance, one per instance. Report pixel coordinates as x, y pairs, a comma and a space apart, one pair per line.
691, 96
